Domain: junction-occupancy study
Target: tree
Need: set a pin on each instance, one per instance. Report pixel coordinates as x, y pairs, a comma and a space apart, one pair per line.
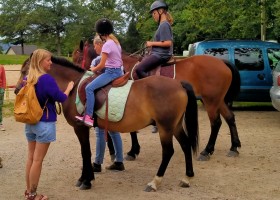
49, 21
14, 24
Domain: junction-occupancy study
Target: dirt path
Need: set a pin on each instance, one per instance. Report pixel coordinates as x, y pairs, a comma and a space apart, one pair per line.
255, 174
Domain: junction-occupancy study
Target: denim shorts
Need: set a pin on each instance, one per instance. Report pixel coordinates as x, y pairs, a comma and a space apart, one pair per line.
43, 132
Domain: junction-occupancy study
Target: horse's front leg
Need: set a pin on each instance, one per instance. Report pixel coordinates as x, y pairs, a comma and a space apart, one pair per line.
167, 153
87, 176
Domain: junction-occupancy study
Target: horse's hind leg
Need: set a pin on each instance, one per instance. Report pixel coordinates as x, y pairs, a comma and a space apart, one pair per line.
186, 147
230, 119
167, 153
216, 123
135, 147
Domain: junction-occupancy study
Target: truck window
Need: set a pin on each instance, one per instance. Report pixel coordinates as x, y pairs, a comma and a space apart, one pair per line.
221, 53
273, 57
250, 59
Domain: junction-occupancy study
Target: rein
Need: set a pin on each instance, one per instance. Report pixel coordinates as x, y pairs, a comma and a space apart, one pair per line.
137, 52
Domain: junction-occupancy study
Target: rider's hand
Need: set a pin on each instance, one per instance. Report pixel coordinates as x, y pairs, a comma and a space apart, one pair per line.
149, 44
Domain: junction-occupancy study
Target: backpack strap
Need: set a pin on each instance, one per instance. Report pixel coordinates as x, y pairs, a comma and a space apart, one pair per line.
45, 106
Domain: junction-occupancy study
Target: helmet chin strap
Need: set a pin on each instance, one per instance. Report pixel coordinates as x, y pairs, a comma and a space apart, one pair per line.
159, 18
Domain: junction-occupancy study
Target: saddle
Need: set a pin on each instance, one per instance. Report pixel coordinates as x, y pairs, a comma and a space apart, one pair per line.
166, 69
101, 93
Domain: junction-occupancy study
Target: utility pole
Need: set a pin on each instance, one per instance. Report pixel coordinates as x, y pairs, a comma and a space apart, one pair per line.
263, 21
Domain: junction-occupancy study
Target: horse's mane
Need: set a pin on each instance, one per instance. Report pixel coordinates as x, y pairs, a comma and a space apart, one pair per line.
91, 51
66, 63
25, 62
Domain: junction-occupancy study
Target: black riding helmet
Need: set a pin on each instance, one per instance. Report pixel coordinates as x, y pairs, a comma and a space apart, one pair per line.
104, 26
157, 5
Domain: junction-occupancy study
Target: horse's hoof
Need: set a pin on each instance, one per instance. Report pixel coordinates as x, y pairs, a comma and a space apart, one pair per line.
233, 154
203, 157
184, 184
130, 158
85, 187
150, 189
79, 183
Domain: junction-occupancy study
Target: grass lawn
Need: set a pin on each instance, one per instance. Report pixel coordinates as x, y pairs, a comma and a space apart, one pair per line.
16, 59
12, 59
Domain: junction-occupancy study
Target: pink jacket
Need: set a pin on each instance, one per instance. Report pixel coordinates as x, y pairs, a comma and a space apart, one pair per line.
2, 77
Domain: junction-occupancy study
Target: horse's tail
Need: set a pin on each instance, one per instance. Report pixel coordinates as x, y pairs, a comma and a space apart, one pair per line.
191, 117
234, 88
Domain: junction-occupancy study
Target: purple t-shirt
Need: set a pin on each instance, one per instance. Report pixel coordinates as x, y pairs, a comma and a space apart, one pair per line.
46, 88
113, 50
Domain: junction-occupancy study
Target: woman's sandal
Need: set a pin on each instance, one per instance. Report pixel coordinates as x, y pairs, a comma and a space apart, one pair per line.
26, 194
30, 196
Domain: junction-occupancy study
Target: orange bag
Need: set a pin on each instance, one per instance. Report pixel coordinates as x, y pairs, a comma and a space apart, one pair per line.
27, 108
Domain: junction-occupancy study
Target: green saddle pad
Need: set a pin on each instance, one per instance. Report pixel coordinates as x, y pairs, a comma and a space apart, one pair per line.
117, 98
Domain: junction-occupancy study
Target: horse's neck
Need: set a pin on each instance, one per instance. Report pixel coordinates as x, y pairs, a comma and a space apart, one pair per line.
63, 76
129, 62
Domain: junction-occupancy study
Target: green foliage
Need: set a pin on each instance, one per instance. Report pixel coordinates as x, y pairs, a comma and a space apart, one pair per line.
59, 25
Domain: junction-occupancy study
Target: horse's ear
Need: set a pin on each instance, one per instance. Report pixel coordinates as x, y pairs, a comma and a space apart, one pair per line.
81, 45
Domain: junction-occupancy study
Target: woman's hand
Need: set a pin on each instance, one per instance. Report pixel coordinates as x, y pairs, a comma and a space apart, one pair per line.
69, 87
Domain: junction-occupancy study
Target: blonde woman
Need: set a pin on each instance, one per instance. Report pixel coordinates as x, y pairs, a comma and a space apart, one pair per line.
40, 135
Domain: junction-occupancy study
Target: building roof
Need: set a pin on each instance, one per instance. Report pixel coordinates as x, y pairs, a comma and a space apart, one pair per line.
28, 49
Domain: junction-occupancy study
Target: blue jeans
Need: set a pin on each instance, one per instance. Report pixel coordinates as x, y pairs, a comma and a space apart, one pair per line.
102, 80
101, 144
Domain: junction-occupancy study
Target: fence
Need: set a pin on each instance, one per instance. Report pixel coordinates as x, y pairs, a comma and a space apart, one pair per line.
12, 76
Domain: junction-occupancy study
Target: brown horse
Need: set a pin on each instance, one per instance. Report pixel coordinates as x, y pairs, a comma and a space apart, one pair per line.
84, 54
216, 83
175, 116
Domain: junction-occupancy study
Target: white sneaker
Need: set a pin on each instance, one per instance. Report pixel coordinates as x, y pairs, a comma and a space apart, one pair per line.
2, 127
154, 129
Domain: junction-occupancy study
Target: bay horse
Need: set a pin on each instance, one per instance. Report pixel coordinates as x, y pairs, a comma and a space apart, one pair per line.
176, 116
216, 83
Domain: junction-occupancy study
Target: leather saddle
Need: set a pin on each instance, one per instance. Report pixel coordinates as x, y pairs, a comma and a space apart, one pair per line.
166, 69
101, 93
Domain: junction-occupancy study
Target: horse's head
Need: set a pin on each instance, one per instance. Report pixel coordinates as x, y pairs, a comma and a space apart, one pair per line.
84, 54
23, 72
